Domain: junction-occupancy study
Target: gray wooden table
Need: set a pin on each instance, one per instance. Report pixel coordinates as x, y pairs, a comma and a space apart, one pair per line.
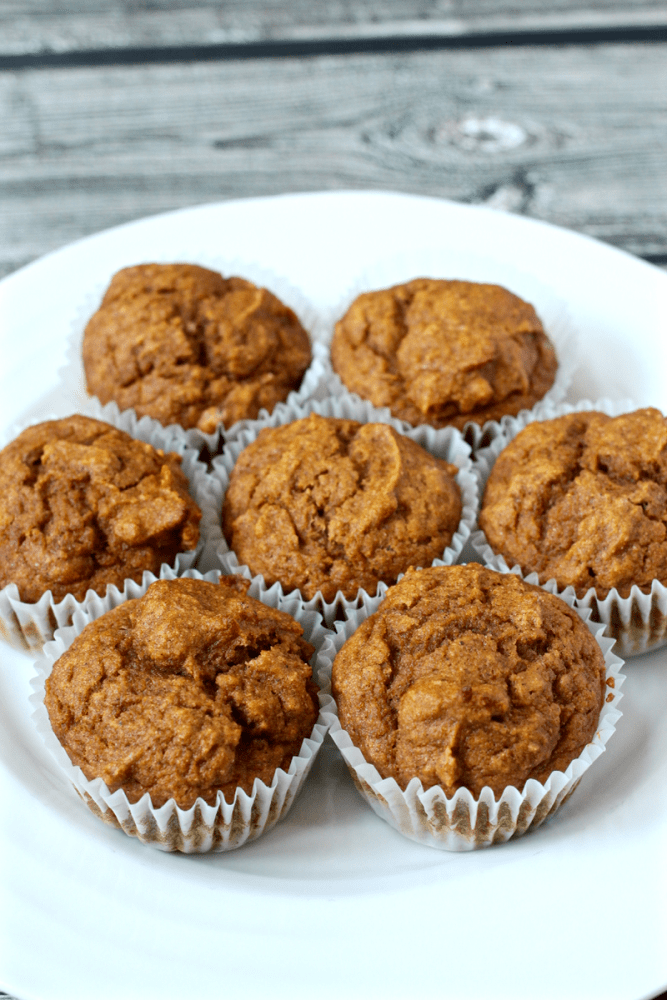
115, 109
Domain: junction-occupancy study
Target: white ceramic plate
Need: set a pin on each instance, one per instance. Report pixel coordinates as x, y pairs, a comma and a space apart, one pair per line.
333, 903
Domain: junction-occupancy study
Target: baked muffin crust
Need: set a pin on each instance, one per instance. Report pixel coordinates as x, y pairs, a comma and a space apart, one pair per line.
583, 499
185, 345
330, 504
192, 688
465, 678
444, 352
83, 505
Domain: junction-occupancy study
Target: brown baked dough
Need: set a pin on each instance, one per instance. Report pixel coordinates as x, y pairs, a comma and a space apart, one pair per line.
190, 689
187, 346
583, 499
83, 505
465, 678
444, 352
328, 504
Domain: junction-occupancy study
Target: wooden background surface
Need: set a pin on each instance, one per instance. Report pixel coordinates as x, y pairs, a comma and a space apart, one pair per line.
115, 109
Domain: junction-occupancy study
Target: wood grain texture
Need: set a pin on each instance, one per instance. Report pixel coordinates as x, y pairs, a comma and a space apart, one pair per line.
574, 135
34, 26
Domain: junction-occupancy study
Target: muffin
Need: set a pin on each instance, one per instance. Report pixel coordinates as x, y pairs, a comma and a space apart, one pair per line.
444, 352
191, 690
582, 499
184, 345
83, 505
325, 504
467, 678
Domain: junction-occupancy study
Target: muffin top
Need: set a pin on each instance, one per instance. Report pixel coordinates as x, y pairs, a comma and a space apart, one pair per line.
444, 352
190, 689
465, 678
325, 504
83, 505
187, 346
583, 499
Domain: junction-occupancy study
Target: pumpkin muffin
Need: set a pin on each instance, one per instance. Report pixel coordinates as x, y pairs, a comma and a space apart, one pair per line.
83, 505
191, 689
184, 345
466, 678
328, 504
444, 352
582, 499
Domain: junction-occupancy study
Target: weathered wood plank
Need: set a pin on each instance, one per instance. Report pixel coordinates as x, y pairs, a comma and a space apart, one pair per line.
574, 135
34, 26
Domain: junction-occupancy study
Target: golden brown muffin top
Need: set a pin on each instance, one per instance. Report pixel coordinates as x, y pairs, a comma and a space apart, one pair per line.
185, 345
192, 688
83, 505
324, 504
444, 352
465, 678
583, 499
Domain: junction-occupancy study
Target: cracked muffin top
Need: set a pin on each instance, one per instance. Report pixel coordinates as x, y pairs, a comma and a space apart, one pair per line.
193, 688
184, 345
83, 505
465, 678
444, 352
325, 504
583, 499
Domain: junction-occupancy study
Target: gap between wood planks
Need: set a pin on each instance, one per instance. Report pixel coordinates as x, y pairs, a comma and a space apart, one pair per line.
372, 43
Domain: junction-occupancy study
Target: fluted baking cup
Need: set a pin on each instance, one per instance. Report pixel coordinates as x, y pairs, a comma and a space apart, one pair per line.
28, 625
222, 826
447, 263
637, 622
446, 443
463, 822
73, 377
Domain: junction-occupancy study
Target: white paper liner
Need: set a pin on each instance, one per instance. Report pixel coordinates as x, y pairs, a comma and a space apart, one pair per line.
27, 625
444, 262
74, 380
446, 443
463, 822
222, 826
638, 622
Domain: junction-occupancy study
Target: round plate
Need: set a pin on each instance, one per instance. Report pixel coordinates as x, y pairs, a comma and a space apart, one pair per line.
333, 902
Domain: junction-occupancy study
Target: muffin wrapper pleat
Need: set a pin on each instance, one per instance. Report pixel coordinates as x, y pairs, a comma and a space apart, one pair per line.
221, 826
638, 622
73, 378
447, 443
27, 625
443, 262
463, 822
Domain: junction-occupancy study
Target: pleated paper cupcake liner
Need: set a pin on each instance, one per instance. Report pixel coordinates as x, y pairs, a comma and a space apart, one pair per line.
638, 622
447, 263
74, 380
446, 443
204, 827
465, 822
28, 625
